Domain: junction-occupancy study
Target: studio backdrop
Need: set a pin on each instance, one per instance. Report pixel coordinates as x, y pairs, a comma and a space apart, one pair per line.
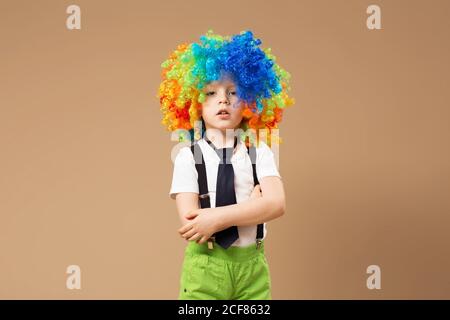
86, 165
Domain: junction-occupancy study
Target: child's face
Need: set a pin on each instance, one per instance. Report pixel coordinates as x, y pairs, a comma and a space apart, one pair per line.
221, 96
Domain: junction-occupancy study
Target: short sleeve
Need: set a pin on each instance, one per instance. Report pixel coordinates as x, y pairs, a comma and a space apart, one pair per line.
184, 177
265, 162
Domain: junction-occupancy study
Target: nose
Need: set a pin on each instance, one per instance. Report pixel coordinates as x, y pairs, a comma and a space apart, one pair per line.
224, 99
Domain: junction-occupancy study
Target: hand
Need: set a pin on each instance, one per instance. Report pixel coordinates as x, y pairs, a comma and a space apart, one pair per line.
256, 193
202, 226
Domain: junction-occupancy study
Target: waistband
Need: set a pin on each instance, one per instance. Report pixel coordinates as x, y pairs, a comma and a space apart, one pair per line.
233, 253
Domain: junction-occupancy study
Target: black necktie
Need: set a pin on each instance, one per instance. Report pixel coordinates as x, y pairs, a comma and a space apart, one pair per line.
225, 193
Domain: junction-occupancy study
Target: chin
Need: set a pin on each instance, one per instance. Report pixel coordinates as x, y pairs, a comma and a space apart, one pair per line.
223, 126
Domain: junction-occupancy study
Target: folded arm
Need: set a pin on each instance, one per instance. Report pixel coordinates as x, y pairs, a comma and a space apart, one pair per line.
269, 206
202, 223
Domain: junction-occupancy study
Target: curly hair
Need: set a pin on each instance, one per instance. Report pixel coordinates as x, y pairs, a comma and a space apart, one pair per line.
261, 84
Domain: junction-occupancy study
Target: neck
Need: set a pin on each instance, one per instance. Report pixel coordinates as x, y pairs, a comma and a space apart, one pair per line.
220, 138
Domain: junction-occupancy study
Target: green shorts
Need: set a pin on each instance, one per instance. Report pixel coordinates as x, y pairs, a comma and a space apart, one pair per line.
237, 273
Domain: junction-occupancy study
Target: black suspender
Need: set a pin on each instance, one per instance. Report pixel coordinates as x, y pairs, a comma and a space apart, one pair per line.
203, 182
260, 229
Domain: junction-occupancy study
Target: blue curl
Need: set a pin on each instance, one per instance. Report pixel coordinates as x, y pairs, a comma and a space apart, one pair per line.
243, 60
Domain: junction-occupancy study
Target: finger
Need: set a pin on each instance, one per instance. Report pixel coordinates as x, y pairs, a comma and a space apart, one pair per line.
185, 228
189, 234
195, 237
203, 240
257, 189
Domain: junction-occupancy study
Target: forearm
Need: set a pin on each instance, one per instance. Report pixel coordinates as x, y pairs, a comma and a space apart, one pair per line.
186, 202
251, 212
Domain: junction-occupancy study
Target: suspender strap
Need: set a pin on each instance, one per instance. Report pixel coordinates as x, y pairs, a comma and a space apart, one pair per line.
252, 153
202, 180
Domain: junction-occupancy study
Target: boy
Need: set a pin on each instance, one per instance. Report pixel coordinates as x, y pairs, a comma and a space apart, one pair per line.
228, 84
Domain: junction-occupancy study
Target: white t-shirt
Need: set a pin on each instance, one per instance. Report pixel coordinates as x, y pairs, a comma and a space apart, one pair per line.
185, 177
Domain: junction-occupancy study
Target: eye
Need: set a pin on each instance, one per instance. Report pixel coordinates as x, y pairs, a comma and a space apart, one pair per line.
210, 93
232, 92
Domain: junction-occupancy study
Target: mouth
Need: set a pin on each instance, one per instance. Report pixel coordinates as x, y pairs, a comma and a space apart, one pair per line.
223, 114
223, 111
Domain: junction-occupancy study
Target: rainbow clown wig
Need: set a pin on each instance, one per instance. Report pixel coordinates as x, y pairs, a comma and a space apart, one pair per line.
261, 84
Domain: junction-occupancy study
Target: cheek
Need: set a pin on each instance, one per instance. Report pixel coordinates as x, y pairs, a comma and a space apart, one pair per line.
207, 112
237, 103
237, 114
237, 108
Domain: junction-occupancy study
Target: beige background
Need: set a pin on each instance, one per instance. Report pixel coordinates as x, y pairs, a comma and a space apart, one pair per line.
85, 165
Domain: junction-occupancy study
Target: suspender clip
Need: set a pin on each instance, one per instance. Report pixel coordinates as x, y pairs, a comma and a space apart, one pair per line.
204, 196
258, 243
210, 243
